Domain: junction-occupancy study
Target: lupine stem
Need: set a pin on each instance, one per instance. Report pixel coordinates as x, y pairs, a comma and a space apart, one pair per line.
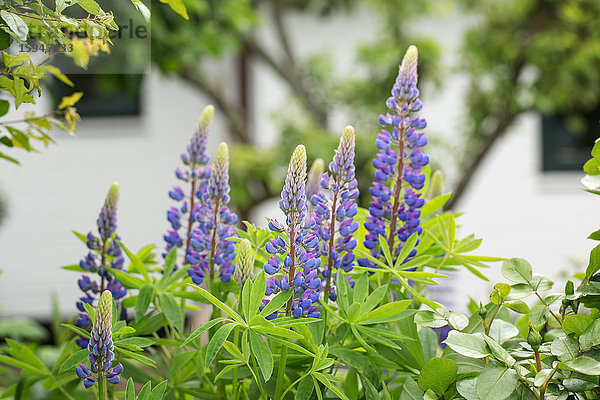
101, 389
281, 373
213, 243
189, 231
331, 237
398, 188
283, 358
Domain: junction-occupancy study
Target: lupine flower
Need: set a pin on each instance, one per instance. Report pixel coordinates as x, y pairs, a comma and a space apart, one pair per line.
245, 262
395, 209
295, 259
210, 251
105, 251
101, 347
334, 213
195, 176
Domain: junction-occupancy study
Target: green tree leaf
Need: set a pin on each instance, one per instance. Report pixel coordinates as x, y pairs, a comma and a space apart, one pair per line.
496, 383
469, 345
585, 365
517, 270
437, 375
16, 24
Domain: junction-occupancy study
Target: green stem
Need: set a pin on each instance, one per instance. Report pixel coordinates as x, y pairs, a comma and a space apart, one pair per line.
293, 384
102, 389
234, 378
281, 373
263, 394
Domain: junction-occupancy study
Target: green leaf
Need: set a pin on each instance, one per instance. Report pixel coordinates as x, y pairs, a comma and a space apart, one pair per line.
594, 264
177, 6
16, 24
172, 310
219, 304
565, 348
437, 375
305, 389
467, 388
246, 291
202, 329
576, 324
501, 330
276, 302
537, 316
583, 364
517, 306
499, 352
325, 381
386, 313
358, 361
170, 261
130, 390
591, 336
143, 394
159, 390
517, 270
74, 360
216, 343
126, 279
469, 345
77, 330
458, 320
263, 355
496, 383
361, 288
430, 319
144, 298
4, 106
257, 294
136, 263
374, 298
371, 392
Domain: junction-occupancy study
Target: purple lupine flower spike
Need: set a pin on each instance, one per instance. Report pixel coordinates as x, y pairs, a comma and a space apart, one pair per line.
210, 250
195, 176
101, 347
105, 251
334, 213
295, 258
395, 208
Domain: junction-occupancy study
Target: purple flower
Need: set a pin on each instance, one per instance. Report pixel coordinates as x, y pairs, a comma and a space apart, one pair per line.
396, 200
105, 251
210, 252
195, 175
101, 347
334, 212
295, 257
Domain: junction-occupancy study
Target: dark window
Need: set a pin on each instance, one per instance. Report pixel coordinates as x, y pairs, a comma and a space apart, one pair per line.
567, 140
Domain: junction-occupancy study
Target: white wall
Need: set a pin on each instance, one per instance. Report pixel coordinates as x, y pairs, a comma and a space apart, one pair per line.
516, 209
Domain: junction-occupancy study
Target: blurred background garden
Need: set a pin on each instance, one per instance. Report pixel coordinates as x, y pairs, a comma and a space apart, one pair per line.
511, 91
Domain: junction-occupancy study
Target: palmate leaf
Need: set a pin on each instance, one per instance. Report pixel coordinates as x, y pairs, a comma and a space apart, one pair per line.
262, 353
202, 329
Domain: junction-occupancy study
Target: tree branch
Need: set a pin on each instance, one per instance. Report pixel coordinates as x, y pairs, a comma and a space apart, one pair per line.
291, 75
504, 119
233, 113
281, 32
